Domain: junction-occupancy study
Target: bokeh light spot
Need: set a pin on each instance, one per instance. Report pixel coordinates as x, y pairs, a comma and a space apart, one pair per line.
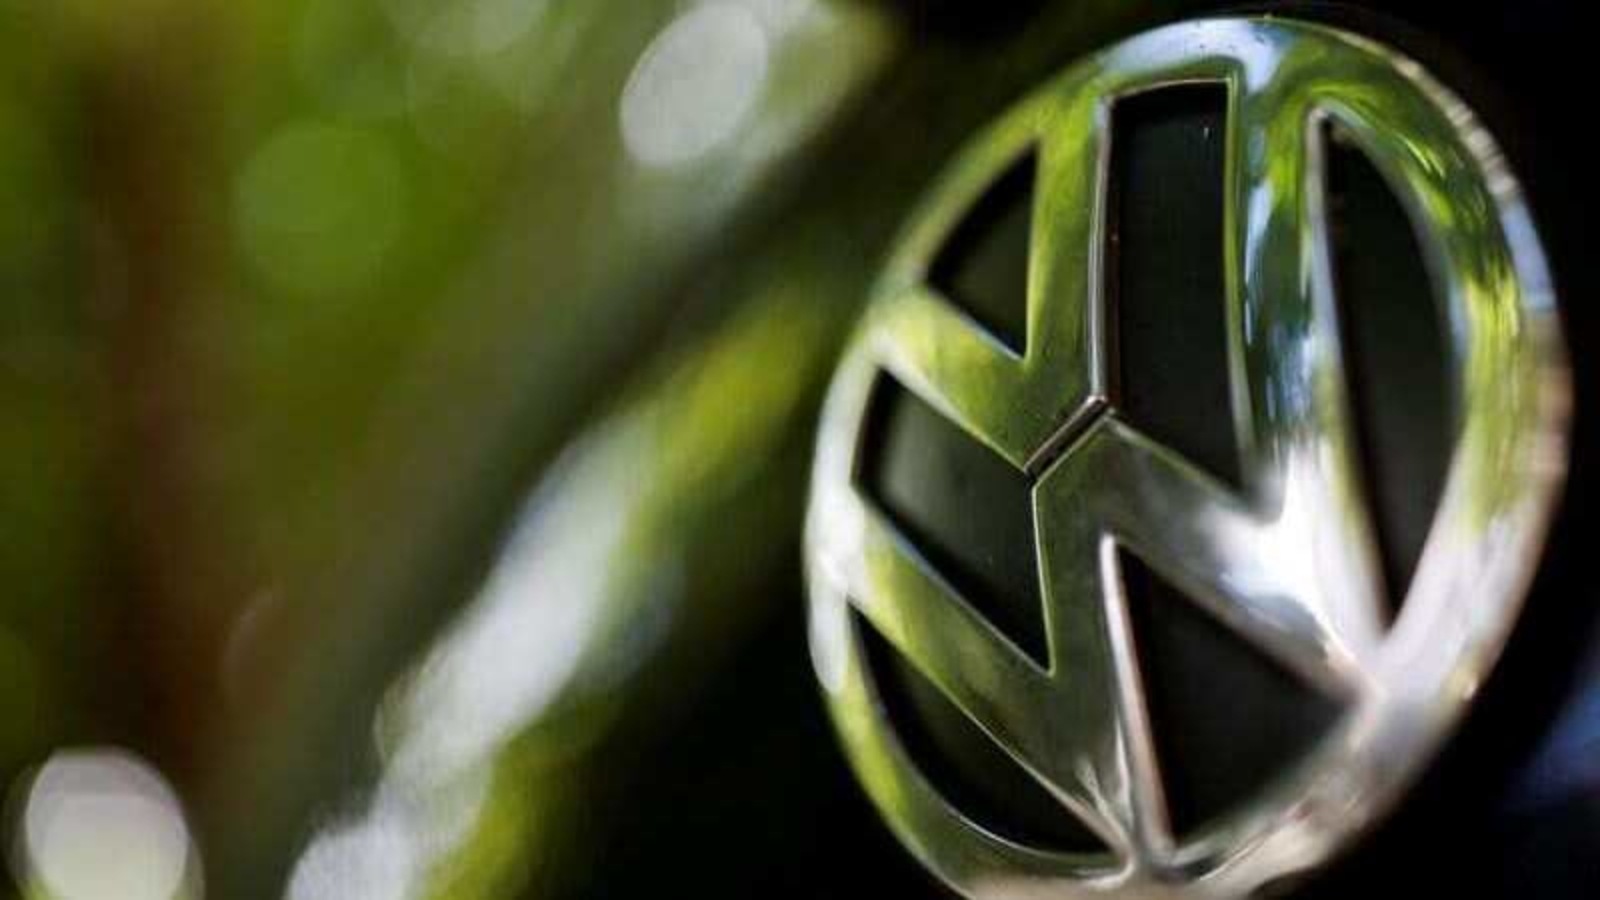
351, 59
104, 825
319, 207
695, 85
465, 27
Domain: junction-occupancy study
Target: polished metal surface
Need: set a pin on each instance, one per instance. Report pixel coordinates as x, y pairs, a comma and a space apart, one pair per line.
1288, 561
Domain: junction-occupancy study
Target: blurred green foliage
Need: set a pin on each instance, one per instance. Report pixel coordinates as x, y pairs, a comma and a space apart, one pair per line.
275, 280
297, 299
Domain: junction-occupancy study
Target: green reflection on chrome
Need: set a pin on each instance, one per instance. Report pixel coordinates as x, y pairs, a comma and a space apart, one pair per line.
1289, 561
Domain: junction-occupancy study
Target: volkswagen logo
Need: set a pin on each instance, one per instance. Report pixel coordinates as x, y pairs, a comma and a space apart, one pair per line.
1283, 557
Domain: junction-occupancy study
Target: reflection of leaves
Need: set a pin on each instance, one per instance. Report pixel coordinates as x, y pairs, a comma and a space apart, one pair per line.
1451, 178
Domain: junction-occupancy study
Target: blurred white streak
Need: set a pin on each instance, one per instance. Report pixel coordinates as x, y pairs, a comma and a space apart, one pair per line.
103, 825
527, 639
386, 853
373, 862
523, 637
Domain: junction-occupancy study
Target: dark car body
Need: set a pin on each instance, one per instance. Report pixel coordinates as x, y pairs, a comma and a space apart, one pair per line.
411, 424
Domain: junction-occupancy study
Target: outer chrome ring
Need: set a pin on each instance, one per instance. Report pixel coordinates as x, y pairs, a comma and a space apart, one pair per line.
1289, 563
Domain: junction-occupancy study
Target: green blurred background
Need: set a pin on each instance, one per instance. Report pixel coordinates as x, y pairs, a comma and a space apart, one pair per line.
404, 416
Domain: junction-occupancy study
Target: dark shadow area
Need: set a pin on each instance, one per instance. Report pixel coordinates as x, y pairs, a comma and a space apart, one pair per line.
963, 764
967, 511
1394, 345
1227, 720
983, 267
1165, 272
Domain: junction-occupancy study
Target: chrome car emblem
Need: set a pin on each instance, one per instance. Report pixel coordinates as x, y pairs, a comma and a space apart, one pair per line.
1286, 560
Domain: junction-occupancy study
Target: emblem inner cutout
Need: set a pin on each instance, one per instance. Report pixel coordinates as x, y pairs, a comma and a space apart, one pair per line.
1286, 560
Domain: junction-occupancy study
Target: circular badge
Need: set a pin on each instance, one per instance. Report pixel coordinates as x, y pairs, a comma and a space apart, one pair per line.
1284, 558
